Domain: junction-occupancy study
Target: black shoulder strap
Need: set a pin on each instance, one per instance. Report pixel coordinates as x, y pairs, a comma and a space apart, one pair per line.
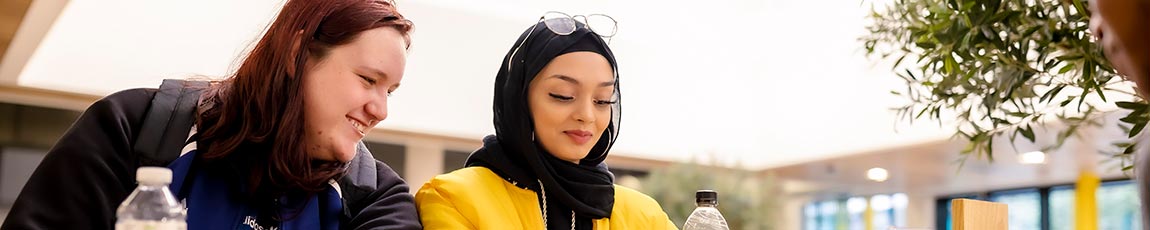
168, 121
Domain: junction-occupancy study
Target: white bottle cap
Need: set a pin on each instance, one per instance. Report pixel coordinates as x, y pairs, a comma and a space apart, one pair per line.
154, 175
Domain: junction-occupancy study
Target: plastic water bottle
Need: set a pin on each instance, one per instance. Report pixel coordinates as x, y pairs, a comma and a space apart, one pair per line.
151, 206
706, 216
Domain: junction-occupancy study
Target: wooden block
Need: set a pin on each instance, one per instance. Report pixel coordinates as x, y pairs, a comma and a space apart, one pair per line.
969, 214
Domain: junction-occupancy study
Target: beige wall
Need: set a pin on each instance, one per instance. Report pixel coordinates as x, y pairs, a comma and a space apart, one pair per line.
792, 212
424, 161
920, 210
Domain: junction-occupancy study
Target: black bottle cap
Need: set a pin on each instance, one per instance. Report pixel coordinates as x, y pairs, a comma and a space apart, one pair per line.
706, 196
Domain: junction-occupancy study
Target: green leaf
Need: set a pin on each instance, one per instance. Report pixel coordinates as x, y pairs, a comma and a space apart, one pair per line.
1123, 144
998, 121
968, 5
1049, 95
1028, 133
1102, 95
1082, 98
1050, 63
990, 150
1080, 7
925, 42
1137, 129
1134, 120
1030, 31
950, 65
1002, 16
897, 62
1069, 57
1066, 68
1130, 105
969, 147
920, 112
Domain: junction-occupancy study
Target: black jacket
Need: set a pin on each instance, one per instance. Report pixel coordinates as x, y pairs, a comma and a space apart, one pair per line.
91, 169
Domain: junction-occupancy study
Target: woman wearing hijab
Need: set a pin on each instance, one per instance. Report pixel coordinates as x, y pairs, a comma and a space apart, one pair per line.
557, 109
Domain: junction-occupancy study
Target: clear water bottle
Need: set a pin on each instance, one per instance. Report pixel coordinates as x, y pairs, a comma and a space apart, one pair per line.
151, 206
706, 216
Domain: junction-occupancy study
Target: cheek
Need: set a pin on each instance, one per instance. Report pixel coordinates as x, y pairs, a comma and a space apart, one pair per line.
603, 120
542, 113
317, 131
325, 108
544, 118
312, 109
317, 99
318, 105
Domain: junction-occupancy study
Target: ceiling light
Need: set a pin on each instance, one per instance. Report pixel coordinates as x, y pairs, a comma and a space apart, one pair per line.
877, 174
1035, 157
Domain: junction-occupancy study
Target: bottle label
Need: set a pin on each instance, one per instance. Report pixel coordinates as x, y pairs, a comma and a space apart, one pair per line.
151, 225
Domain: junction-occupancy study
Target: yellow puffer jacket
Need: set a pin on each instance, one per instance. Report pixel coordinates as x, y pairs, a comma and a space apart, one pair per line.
476, 198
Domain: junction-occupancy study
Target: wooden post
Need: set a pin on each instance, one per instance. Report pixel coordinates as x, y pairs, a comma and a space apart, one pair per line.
978, 215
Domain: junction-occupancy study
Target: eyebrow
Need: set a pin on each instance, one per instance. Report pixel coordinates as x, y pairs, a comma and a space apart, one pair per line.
374, 71
576, 82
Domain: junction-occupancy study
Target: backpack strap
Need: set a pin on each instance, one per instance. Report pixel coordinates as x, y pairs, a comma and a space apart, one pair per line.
168, 121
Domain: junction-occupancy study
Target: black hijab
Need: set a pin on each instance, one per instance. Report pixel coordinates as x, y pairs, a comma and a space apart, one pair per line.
585, 188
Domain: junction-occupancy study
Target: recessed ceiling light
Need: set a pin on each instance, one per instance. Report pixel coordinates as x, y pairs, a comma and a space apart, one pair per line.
877, 174
1035, 157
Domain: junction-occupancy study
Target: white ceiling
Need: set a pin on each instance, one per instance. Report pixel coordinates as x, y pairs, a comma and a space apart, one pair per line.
753, 83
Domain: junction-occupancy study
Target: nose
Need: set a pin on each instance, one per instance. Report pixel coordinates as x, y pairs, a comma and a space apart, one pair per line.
585, 112
1096, 27
376, 109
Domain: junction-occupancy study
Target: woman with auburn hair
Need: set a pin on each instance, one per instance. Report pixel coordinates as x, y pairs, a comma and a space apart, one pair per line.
276, 145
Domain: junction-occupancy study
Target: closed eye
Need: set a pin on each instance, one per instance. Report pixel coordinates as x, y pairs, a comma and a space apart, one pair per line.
560, 97
605, 102
369, 80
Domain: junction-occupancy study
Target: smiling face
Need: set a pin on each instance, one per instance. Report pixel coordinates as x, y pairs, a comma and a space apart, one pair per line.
345, 92
570, 101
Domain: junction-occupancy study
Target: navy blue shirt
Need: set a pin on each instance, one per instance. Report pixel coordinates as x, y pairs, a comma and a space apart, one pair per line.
211, 205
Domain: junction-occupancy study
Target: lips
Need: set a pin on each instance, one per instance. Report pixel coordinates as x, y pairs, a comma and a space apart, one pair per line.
578, 136
358, 126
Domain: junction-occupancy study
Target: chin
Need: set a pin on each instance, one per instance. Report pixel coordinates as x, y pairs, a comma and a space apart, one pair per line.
579, 154
345, 156
341, 154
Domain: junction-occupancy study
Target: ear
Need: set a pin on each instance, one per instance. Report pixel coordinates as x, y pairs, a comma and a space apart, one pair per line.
295, 55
